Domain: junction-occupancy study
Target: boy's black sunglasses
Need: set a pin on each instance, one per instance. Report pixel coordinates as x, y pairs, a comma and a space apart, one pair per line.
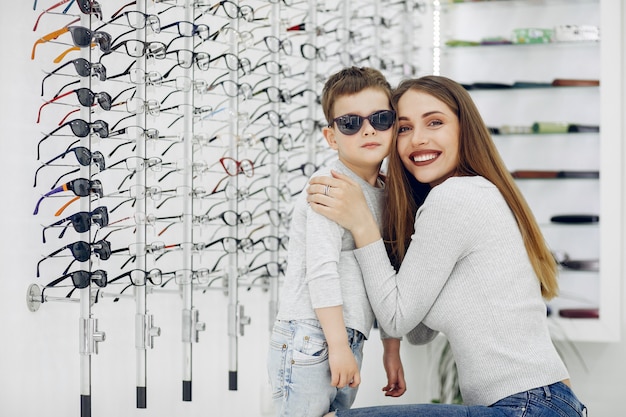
349, 124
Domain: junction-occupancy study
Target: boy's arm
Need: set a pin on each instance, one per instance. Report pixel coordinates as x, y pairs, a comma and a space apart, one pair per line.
396, 385
343, 367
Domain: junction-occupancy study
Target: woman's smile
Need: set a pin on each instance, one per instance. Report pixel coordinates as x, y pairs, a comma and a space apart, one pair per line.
424, 157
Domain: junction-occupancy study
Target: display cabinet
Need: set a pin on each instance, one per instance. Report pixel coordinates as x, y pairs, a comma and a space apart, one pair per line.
545, 77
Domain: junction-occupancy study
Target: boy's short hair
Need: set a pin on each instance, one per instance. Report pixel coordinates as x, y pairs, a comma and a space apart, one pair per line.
348, 81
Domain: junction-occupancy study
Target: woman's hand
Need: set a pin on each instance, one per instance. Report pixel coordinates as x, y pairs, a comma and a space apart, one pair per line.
341, 200
396, 384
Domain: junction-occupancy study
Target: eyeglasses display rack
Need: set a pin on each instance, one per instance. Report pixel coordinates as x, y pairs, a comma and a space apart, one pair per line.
194, 124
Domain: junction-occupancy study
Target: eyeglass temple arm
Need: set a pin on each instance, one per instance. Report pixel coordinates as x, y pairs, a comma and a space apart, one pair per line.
54, 71
64, 206
69, 266
68, 50
46, 137
55, 98
59, 189
46, 164
130, 142
46, 38
125, 72
129, 176
60, 222
113, 48
58, 93
119, 11
113, 19
68, 6
55, 282
58, 280
54, 6
114, 251
65, 175
117, 278
50, 256
64, 119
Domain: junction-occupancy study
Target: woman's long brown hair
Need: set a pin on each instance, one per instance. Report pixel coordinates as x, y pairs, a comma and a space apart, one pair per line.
478, 156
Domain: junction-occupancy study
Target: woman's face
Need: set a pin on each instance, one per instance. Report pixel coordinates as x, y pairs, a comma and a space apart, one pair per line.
428, 137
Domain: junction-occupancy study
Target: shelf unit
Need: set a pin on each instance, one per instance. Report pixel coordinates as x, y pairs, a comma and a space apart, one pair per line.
464, 50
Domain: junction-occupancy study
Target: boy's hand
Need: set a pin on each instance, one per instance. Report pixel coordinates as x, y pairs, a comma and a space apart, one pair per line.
340, 199
343, 368
396, 385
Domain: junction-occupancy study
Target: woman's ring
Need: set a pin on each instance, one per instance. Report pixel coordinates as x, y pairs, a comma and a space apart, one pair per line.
326, 189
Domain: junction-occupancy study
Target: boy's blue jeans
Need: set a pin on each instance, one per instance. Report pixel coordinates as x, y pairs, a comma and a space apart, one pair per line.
300, 373
555, 400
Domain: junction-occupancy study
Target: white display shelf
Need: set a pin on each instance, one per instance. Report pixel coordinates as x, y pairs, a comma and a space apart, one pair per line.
596, 151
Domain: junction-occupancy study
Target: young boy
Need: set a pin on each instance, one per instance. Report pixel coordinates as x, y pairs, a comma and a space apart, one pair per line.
316, 346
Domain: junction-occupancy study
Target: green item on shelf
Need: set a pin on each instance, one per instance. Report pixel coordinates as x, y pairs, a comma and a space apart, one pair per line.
532, 35
550, 127
460, 42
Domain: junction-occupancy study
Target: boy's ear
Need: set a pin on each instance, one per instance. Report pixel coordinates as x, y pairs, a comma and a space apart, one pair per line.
329, 135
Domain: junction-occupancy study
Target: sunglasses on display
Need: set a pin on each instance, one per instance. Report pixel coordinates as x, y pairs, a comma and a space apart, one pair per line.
84, 156
81, 128
86, 98
81, 251
82, 187
350, 124
81, 36
81, 221
83, 68
80, 279
85, 6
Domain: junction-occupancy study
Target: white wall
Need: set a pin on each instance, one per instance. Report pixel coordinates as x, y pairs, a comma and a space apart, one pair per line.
39, 359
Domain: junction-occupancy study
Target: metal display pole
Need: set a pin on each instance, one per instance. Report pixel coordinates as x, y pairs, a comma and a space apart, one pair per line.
88, 332
232, 270
191, 326
143, 322
275, 177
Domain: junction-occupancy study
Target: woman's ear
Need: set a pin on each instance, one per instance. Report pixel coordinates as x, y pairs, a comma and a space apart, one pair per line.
329, 135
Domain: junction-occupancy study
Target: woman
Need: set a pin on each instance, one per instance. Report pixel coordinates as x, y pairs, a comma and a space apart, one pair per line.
470, 258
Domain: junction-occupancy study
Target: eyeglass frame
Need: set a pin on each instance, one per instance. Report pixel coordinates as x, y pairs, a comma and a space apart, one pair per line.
94, 187
98, 216
102, 248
